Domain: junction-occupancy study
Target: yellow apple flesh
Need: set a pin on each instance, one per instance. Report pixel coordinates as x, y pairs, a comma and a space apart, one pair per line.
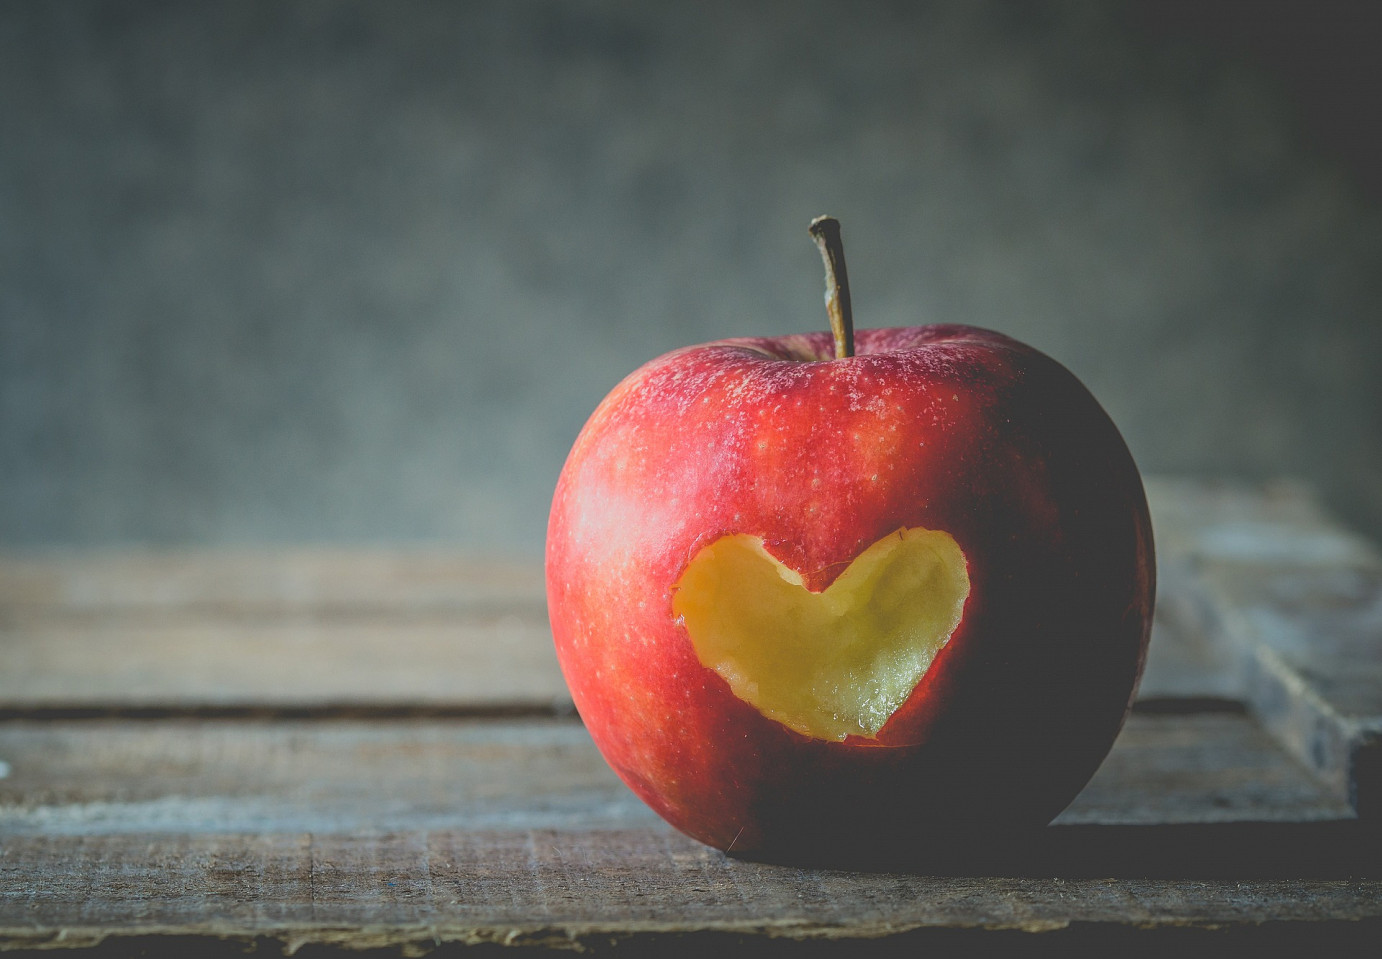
832, 664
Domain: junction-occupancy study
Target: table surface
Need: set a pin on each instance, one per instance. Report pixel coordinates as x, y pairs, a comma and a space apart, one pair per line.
366, 749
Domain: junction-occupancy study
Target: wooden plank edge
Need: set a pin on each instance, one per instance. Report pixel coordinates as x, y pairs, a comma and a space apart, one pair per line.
326, 711
408, 711
1190, 937
1343, 751
144, 581
1342, 748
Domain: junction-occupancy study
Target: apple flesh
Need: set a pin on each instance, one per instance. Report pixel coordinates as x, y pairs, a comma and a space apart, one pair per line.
832, 664
801, 599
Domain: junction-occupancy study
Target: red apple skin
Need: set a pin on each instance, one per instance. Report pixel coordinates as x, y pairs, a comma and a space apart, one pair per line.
944, 427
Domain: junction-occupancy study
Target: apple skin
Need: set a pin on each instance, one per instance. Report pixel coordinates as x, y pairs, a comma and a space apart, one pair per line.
943, 427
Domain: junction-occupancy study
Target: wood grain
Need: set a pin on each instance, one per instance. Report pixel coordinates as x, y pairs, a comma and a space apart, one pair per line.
574, 889
499, 663
254, 583
1293, 603
130, 630
274, 630
185, 776
339, 750
129, 836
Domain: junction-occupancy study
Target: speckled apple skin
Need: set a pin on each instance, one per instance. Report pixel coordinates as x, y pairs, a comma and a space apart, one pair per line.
942, 427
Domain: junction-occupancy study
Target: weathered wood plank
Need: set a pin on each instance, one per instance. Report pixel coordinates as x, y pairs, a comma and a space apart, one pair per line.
1295, 604
130, 835
474, 663
184, 776
249, 583
1281, 521
301, 629
413, 832
460, 663
83, 778
421, 889
1183, 665
464, 661
1262, 597
294, 629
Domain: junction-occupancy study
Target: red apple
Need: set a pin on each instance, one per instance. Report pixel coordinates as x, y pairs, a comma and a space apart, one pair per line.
801, 595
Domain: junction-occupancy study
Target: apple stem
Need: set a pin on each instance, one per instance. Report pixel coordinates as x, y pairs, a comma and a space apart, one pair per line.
826, 232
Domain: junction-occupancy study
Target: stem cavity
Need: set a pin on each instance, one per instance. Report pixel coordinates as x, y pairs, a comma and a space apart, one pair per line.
826, 232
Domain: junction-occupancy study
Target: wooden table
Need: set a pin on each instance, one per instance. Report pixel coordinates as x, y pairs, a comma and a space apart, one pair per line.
323, 750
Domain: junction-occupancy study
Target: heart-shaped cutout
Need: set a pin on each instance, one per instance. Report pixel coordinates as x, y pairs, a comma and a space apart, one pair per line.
832, 664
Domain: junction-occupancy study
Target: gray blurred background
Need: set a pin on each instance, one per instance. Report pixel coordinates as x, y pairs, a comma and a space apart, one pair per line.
344, 272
